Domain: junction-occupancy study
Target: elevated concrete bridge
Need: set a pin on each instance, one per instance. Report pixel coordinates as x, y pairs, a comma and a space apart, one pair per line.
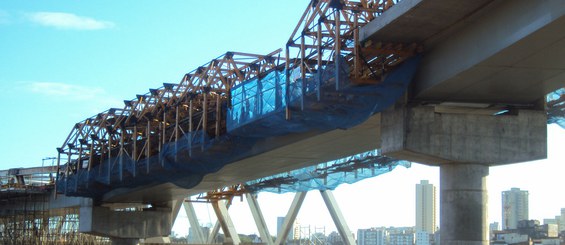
476, 99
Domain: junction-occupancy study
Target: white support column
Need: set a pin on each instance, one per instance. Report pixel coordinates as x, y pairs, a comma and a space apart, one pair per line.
213, 233
290, 217
225, 221
193, 219
259, 219
337, 217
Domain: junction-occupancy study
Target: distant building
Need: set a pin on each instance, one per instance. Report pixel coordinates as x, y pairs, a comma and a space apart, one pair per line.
493, 227
425, 207
561, 220
192, 237
402, 239
371, 236
334, 238
422, 238
549, 221
280, 222
514, 207
537, 231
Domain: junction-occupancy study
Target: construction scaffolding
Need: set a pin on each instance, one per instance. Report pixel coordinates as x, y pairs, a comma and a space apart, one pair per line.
325, 80
25, 214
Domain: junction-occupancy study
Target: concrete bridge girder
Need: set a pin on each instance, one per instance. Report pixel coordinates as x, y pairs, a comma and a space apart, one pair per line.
510, 52
479, 51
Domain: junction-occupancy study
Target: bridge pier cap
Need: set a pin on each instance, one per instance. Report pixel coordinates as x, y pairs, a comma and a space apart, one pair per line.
464, 145
424, 135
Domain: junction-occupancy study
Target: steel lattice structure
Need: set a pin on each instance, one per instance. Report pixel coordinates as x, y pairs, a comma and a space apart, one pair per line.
327, 30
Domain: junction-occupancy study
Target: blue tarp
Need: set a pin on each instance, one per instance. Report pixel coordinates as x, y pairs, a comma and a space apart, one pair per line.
556, 107
328, 175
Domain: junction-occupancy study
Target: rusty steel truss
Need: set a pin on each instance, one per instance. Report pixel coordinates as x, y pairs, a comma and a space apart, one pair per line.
328, 30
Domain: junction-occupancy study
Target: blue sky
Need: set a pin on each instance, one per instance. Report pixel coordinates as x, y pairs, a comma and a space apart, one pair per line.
64, 61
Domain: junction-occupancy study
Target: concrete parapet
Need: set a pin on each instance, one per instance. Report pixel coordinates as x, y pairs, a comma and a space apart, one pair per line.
422, 135
103, 221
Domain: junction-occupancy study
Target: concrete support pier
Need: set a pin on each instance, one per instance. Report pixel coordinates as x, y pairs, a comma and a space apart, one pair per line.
124, 241
463, 204
463, 143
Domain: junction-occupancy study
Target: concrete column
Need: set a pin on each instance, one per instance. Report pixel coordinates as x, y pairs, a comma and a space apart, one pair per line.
338, 218
463, 204
226, 223
124, 241
463, 143
259, 219
194, 224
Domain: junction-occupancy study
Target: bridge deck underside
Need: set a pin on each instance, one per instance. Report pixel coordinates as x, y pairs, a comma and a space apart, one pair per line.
507, 52
293, 152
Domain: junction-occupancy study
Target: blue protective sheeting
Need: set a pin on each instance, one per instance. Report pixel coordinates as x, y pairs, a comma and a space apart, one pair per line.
257, 115
328, 175
259, 105
556, 107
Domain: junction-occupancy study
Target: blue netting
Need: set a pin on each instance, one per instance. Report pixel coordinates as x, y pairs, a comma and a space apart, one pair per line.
255, 121
256, 98
314, 103
328, 175
556, 107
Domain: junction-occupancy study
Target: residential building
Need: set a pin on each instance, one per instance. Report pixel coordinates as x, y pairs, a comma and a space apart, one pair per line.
371, 236
514, 207
426, 207
422, 238
280, 222
402, 239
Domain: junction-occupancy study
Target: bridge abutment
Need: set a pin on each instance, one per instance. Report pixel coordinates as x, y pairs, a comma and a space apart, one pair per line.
463, 142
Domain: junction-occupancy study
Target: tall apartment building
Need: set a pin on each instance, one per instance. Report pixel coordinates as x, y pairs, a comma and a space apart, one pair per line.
426, 207
514, 207
371, 236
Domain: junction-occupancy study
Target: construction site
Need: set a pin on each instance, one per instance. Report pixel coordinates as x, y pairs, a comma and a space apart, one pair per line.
292, 109
26, 216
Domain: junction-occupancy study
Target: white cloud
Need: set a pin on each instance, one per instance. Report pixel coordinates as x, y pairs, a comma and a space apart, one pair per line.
68, 21
94, 99
63, 90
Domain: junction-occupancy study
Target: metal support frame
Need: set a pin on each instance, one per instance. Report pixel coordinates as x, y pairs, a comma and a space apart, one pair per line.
225, 221
259, 219
326, 35
337, 217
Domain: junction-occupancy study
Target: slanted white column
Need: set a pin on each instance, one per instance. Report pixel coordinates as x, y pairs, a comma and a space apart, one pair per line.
214, 232
337, 217
193, 220
259, 219
225, 221
290, 217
